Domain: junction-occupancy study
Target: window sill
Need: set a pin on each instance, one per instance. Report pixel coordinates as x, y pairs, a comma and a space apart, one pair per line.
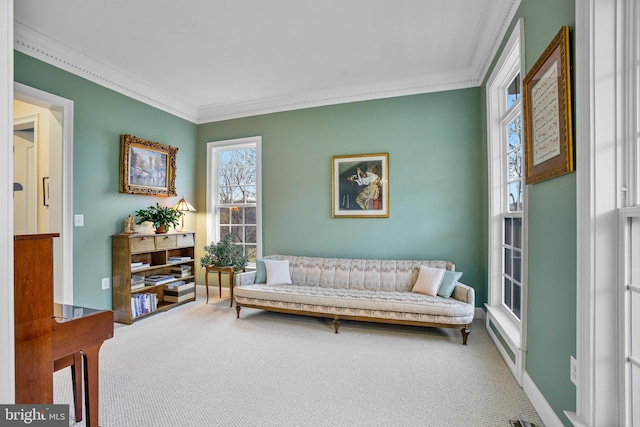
506, 325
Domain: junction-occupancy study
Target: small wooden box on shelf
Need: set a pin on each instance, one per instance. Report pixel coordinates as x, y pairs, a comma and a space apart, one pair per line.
144, 266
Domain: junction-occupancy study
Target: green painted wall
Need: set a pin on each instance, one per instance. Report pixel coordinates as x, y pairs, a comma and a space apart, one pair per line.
100, 117
551, 327
435, 178
438, 192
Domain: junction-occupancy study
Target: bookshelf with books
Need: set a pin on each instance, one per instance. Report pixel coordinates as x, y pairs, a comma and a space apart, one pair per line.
151, 273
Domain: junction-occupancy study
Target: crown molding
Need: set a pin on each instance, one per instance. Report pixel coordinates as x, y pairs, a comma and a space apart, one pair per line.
60, 56
380, 90
491, 49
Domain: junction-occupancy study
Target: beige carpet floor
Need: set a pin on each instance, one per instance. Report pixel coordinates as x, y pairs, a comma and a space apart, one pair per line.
197, 365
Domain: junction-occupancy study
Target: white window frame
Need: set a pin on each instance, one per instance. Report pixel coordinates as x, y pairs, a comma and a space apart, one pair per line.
213, 230
603, 117
629, 213
512, 330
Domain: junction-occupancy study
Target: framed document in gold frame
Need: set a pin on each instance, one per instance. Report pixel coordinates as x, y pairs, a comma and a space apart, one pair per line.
548, 136
360, 186
147, 167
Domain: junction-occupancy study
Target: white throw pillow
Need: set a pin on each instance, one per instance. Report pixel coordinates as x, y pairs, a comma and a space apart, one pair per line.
429, 280
277, 272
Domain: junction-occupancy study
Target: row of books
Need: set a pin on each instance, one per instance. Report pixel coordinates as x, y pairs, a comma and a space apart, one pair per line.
143, 303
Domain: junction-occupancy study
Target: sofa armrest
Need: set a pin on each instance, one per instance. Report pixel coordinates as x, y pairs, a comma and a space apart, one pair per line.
464, 293
244, 278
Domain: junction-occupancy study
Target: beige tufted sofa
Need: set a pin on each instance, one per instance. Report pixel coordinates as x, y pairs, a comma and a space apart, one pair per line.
358, 289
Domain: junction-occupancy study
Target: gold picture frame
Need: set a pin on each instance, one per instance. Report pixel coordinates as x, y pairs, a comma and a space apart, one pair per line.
147, 167
548, 136
360, 186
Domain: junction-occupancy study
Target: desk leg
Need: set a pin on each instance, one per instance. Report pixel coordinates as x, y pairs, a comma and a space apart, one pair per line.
206, 283
219, 285
91, 386
231, 288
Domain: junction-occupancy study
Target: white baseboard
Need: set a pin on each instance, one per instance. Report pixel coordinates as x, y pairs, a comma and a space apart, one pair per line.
480, 314
548, 417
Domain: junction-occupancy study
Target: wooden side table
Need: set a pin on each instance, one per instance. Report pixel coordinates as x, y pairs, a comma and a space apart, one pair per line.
220, 270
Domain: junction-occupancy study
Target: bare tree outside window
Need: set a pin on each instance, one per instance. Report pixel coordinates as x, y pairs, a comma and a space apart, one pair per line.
514, 160
237, 187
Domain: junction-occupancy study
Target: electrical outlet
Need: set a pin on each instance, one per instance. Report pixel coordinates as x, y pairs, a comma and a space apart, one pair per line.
573, 373
105, 283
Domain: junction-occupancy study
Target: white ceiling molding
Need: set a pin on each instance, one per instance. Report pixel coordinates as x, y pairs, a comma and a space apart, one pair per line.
495, 19
387, 89
50, 51
493, 43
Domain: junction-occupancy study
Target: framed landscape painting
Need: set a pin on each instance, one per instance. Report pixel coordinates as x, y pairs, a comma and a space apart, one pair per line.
360, 186
147, 167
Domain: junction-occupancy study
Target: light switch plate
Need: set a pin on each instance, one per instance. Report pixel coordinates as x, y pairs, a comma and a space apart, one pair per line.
78, 220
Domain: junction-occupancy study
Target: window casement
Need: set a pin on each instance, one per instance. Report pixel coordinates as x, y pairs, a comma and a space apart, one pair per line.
506, 306
233, 193
629, 216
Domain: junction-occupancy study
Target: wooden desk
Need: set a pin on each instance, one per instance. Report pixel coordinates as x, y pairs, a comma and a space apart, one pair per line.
230, 270
42, 336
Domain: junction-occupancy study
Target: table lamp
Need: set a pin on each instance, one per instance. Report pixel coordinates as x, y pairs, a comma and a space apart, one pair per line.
183, 206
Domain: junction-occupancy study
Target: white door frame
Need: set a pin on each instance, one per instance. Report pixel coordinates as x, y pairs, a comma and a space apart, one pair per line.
7, 359
47, 100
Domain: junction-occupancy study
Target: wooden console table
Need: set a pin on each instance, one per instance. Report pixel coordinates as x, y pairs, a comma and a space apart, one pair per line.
230, 270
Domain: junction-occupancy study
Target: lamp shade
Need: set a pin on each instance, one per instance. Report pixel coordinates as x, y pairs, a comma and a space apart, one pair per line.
184, 206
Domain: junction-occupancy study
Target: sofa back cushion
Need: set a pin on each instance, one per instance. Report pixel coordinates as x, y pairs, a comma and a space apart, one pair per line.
347, 273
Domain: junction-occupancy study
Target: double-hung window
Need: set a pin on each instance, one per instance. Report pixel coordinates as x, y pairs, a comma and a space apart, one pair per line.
507, 203
513, 185
233, 193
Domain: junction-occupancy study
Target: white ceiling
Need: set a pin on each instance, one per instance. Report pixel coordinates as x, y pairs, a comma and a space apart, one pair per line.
209, 60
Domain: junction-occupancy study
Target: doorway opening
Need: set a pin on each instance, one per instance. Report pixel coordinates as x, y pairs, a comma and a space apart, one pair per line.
43, 184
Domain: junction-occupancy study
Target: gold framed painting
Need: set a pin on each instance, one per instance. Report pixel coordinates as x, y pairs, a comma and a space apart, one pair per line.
548, 136
360, 186
147, 167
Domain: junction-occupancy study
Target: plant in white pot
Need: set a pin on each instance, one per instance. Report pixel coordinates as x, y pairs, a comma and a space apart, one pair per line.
162, 217
224, 254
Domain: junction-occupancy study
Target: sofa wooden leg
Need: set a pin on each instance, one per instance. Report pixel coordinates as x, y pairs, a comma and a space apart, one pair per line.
238, 311
336, 323
465, 334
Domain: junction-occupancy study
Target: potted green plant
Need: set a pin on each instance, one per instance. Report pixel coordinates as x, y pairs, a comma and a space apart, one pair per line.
162, 217
224, 254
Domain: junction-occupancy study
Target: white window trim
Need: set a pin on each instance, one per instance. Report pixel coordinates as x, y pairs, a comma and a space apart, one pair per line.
628, 56
600, 110
512, 331
212, 232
